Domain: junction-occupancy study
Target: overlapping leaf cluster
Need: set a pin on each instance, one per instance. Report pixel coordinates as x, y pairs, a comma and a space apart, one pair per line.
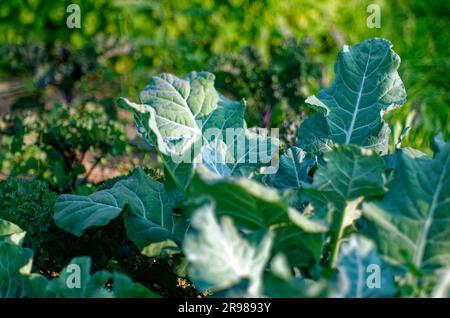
340, 218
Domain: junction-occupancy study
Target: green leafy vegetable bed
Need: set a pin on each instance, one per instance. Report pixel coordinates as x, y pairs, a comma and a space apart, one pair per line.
335, 215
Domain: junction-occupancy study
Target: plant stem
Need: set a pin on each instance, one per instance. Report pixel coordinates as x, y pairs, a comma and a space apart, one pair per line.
88, 174
336, 239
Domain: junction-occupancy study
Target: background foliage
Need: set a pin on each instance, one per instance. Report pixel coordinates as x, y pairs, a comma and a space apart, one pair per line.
122, 42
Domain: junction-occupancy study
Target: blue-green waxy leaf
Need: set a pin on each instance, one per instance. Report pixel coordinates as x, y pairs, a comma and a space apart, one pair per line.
35, 286
314, 136
189, 123
293, 170
250, 150
180, 173
415, 213
76, 281
391, 160
156, 238
227, 114
16, 279
350, 173
248, 203
256, 207
301, 248
366, 85
215, 157
176, 114
243, 154
360, 272
173, 106
176, 111
220, 257
13, 262
76, 213
148, 217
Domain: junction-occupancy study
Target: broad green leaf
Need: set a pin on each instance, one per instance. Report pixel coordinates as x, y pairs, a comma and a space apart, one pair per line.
392, 159
350, 173
244, 153
173, 106
35, 286
14, 263
256, 207
216, 157
228, 114
156, 239
250, 204
366, 85
178, 114
188, 122
411, 224
247, 202
76, 281
250, 150
148, 217
180, 173
76, 213
220, 257
314, 136
360, 271
155, 229
302, 249
124, 287
175, 112
293, 170
15, 278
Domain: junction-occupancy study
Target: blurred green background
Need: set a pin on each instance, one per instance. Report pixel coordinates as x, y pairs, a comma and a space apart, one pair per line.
273, 53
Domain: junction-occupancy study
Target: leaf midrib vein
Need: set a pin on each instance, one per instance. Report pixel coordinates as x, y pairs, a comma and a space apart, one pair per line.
358, 101
421, 241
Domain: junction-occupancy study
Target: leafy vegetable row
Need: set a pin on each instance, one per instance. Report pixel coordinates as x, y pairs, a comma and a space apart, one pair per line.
339, 207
